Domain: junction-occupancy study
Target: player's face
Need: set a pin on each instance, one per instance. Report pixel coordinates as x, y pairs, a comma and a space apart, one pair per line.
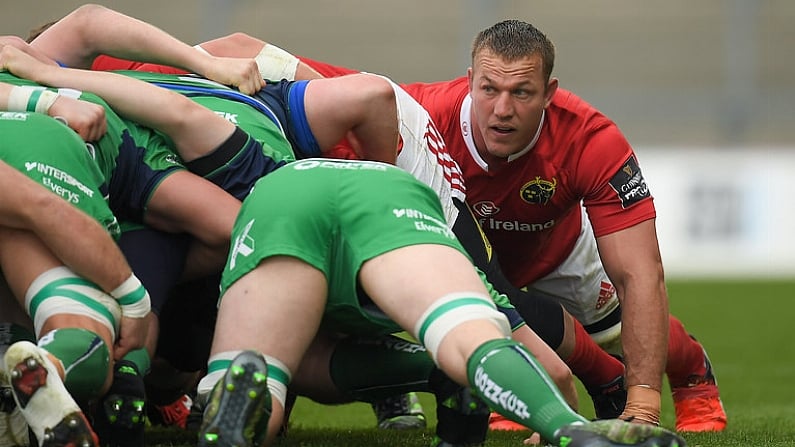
508, 100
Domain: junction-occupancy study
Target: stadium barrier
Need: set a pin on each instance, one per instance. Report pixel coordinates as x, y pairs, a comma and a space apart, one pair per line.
724, 213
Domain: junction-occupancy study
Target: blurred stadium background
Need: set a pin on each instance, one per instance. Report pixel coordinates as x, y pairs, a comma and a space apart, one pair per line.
705, 91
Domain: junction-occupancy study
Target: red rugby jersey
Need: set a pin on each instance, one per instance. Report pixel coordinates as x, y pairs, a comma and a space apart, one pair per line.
531, 211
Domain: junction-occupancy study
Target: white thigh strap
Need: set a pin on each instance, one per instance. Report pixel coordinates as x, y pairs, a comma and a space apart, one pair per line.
450, 311
279, 377
61, 291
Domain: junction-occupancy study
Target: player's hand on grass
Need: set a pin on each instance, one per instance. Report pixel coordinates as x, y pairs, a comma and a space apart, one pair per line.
534, 439
643, 405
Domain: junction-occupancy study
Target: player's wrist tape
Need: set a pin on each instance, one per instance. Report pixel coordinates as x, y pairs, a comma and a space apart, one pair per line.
30, 99
643, 404
133, 298
276, 64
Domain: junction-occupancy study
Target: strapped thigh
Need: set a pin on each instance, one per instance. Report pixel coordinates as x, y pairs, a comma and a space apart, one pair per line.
450, 311
61, 291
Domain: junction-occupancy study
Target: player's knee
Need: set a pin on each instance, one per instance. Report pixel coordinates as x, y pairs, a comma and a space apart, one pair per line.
375, 91
60, 291
85, 358
561, 375
88, 10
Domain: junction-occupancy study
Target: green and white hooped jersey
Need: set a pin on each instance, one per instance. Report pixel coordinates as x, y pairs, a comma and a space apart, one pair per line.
244, 111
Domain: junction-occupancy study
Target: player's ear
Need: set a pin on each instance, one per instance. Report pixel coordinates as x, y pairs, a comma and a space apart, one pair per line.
552, 87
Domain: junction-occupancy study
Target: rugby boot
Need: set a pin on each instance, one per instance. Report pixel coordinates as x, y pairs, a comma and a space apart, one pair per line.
239, 407
697, 403
176, 413
462, 418
194, 420
50, 411
616, 433
120, 418
609, 399
400, 412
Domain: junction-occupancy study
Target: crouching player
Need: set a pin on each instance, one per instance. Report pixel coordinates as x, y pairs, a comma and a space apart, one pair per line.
86, 305
363, 248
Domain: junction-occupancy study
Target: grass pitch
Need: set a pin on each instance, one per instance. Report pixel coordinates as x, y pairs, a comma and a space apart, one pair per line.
743, 325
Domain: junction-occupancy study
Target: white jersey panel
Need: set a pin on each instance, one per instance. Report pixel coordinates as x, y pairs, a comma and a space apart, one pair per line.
424, 153
580, 282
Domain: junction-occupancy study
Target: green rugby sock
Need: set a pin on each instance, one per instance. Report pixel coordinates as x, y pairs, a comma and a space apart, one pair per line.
508, 378
85, 359
139, 358
372, 369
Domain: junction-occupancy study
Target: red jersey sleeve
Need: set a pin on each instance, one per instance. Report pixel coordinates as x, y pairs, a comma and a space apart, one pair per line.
108, 63
325, 69
615, 193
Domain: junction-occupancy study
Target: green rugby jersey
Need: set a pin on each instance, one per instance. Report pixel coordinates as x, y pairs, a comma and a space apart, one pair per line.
239, 109
105, 151
120, 153
104, 160
55, 156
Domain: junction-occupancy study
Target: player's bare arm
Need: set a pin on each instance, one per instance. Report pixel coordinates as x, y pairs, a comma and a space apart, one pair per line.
631, 258
94, 255
77, 39
273, 62
194, 129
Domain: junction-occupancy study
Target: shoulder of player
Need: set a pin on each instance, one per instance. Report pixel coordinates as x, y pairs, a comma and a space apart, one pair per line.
441, 93
442, 100
569, 109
